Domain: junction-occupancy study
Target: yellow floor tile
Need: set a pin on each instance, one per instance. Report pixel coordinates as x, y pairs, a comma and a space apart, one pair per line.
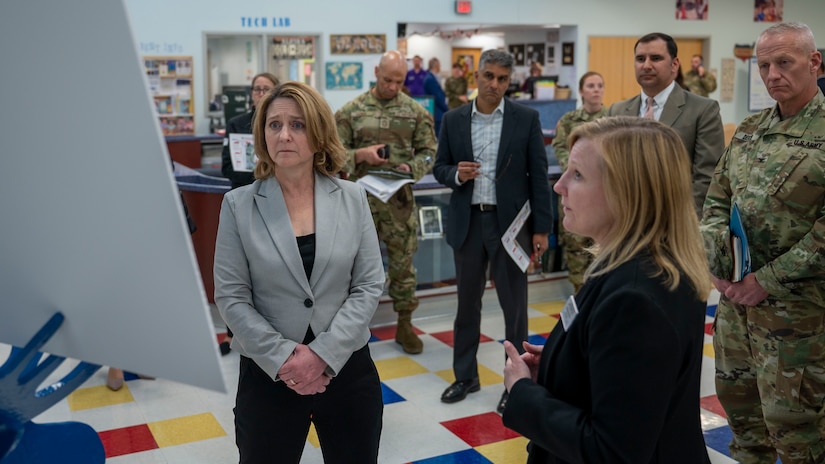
96, 397
512, 451
401, 366
549, 307
186, 429
485, 376
541, 325
312, 437
708, 350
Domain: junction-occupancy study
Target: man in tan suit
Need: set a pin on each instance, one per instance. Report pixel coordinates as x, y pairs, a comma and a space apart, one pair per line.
695, 118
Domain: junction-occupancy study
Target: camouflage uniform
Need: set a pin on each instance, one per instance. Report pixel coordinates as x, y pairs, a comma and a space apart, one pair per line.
578, 259
700, 85
454, 87
770, 358
407, 128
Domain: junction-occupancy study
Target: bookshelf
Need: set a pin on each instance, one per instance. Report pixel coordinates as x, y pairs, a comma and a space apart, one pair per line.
170, 82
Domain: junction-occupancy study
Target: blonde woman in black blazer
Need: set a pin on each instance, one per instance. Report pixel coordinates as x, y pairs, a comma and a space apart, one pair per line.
618, 379
298, 274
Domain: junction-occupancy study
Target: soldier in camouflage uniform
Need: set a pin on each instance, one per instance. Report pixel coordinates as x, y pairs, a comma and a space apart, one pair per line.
591, 89
384, 119
698, 80
456, 87
770, 326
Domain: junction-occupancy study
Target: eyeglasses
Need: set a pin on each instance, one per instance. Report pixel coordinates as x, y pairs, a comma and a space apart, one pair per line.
479, 158
260, 89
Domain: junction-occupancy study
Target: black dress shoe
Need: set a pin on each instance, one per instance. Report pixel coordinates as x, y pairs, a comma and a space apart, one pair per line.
502, 403
459, 390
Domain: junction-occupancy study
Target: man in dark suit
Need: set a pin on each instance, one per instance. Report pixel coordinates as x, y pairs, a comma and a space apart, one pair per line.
696, 119
491, 154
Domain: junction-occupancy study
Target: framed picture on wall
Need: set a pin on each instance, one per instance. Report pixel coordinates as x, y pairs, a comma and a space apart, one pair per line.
517, 50
551, 54
429, 219
534, 54
567, 53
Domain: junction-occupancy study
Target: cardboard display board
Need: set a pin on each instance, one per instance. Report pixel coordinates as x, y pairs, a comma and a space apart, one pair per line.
92, 222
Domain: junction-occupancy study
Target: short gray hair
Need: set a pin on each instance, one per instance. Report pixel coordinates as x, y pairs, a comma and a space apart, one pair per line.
497, 57
801, 30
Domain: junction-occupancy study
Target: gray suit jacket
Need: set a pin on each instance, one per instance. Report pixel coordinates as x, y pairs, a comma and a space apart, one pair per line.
698, 122
261, 288
521, 171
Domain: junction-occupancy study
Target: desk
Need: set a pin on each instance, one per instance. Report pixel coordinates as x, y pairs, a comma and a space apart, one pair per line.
203, 196
187, 150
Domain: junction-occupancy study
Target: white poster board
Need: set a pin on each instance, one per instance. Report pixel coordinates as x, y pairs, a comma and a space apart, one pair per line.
90, 216
758, 96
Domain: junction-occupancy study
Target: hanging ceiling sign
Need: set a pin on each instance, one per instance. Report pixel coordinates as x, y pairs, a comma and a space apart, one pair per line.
292, 48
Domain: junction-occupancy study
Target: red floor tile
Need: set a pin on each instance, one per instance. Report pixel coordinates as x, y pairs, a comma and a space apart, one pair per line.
447, 337
711, 403
127, 440
388, 332
480, 430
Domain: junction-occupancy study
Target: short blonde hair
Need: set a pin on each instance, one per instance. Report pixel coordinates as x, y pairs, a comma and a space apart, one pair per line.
322, 132
647, 182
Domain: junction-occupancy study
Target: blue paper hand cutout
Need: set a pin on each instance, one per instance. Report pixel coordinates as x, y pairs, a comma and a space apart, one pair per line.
21, 440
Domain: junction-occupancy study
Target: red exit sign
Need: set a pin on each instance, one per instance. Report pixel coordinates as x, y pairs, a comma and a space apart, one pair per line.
463, 7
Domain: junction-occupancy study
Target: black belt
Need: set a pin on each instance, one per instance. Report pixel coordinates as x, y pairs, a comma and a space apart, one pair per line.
484, 207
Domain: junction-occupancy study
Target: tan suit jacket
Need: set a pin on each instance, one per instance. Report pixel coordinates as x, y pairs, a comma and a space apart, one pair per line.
262, 290
698, 122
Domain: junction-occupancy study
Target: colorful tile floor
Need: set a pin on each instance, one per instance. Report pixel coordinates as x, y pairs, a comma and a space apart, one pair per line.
158, 421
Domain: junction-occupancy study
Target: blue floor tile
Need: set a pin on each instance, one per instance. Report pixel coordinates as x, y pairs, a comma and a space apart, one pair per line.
469, 456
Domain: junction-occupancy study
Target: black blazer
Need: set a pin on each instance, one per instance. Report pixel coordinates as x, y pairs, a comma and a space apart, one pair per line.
521, 171
622, 384
241, 124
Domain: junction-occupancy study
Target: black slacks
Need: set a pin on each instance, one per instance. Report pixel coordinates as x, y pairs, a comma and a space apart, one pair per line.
272, 421
482, 247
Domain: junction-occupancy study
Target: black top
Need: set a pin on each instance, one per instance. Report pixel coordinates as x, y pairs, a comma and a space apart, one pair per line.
306, 246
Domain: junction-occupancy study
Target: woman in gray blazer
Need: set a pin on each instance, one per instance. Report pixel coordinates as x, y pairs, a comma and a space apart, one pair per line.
298, 274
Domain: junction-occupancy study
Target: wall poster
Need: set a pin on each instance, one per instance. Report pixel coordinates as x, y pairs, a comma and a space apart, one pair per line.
345, 75
357, 44
692, 9
769, 11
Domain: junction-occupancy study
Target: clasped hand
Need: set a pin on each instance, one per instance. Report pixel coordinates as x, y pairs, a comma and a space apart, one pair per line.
304, 372
746, 292
521, 366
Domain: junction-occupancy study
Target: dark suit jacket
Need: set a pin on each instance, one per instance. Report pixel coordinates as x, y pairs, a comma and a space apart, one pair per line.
521, 171
621, 385
241, 124
698, 122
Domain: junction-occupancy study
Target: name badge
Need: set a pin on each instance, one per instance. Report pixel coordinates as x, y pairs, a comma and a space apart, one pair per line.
569, 313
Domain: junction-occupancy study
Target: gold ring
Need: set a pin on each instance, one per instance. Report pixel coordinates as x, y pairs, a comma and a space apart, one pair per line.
292, 382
